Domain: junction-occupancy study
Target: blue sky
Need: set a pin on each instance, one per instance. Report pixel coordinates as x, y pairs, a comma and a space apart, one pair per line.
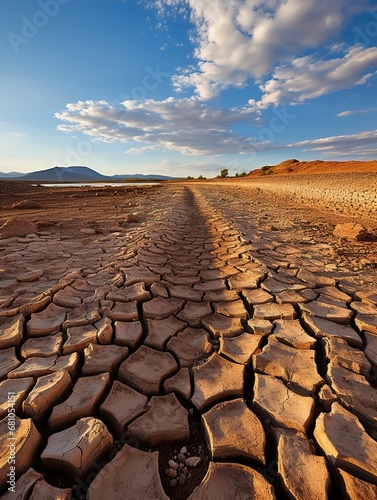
186, 87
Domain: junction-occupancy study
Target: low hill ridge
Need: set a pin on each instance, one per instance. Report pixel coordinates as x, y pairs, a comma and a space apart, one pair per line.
296, 167
77, 173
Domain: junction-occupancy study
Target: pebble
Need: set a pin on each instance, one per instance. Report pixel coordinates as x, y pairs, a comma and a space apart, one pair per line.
172, 464
181, 458
173, 483
171, 473
183, 449
193, 461
182, 479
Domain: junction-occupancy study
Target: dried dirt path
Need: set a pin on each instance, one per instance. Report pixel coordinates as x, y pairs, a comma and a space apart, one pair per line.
205, 355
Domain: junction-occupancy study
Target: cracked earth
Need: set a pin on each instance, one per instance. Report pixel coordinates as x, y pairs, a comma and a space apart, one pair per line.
185, 341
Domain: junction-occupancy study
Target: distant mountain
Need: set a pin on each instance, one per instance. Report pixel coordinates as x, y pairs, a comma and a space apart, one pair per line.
77, 174
144, 177
10, 175
64, 174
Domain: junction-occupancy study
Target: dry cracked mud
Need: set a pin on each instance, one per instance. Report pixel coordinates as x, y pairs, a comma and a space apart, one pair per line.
214, 348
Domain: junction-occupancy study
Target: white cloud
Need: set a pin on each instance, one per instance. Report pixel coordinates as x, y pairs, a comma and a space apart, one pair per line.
236, 40
278, 44
307, 78
361, 144
356, 112
183, 125
191, 128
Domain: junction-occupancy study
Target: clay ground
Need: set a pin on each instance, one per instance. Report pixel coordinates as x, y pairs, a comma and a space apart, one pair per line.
181, 309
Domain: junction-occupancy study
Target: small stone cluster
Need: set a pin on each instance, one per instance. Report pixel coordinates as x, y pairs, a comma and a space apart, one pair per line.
179, 467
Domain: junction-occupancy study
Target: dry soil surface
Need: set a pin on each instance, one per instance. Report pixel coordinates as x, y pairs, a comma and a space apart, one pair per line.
208, 340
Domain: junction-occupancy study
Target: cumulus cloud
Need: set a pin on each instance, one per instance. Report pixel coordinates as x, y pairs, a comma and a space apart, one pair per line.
241, 39
307, 78
361, 144
183, 125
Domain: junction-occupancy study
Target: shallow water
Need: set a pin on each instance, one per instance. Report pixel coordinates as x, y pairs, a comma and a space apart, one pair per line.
99, 184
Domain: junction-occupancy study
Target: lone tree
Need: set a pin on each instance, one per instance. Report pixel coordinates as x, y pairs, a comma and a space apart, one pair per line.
224, 172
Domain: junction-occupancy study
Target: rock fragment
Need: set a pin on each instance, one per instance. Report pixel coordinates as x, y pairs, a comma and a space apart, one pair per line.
304, 475
161, 330
103, 359
133, 473
83, 402
340, 353
228, 480
146, 369
190, 345
216, 379
74, 450
48, 391
194, 312
44, 491
275, 403
330, 312
354, 392
351, 231
290, 332
222, 326
272, 311
240, 349
11, 331
180, 384
18, 390
357, 456
26, 442
122, 405
324, 328
24, 486
48, 321
297, 367
128, 333
354, 488
42, 346
165, 422
230, 442
8, 361
159, 308
17, 227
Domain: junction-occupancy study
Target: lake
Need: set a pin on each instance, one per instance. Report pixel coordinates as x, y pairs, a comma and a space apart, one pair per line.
99, 184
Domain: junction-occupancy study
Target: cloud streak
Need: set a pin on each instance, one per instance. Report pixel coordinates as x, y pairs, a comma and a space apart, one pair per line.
356, 112
361, 144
